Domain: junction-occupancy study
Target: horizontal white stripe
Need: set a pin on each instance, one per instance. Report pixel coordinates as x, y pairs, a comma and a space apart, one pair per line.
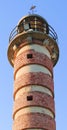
32, 88
32, 68
33, 110
37, 48
34, 129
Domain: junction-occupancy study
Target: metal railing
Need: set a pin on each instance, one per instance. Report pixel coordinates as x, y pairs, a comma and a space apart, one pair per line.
51, 32
13, 33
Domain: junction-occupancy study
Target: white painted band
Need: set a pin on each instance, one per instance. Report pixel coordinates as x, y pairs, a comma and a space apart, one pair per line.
34, 129
32, 68
32, 88
33, 110
37, 48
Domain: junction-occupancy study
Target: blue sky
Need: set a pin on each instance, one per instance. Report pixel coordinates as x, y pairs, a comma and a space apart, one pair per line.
55, 12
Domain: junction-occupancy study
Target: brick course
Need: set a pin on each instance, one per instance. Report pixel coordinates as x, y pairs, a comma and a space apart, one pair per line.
34, 120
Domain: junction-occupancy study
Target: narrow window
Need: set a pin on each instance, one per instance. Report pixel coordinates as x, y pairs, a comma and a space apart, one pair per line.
29, 98
29, 56
26, 26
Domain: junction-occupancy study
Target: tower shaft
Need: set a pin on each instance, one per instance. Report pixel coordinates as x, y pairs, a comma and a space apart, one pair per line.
33, 88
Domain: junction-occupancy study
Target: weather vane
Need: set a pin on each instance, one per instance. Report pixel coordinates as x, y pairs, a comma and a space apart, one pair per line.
32, 8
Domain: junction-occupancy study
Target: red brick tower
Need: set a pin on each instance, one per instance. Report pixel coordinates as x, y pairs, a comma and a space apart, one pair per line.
33, 51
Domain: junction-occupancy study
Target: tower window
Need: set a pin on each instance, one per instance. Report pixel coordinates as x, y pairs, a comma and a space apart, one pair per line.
29, 56
27, 26
29, 98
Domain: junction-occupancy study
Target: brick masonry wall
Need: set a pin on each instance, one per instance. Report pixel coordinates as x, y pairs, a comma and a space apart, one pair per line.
37, 58
37, 78
39, 99
34, 120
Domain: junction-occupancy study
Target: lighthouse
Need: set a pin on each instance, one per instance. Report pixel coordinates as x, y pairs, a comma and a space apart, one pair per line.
33, 52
